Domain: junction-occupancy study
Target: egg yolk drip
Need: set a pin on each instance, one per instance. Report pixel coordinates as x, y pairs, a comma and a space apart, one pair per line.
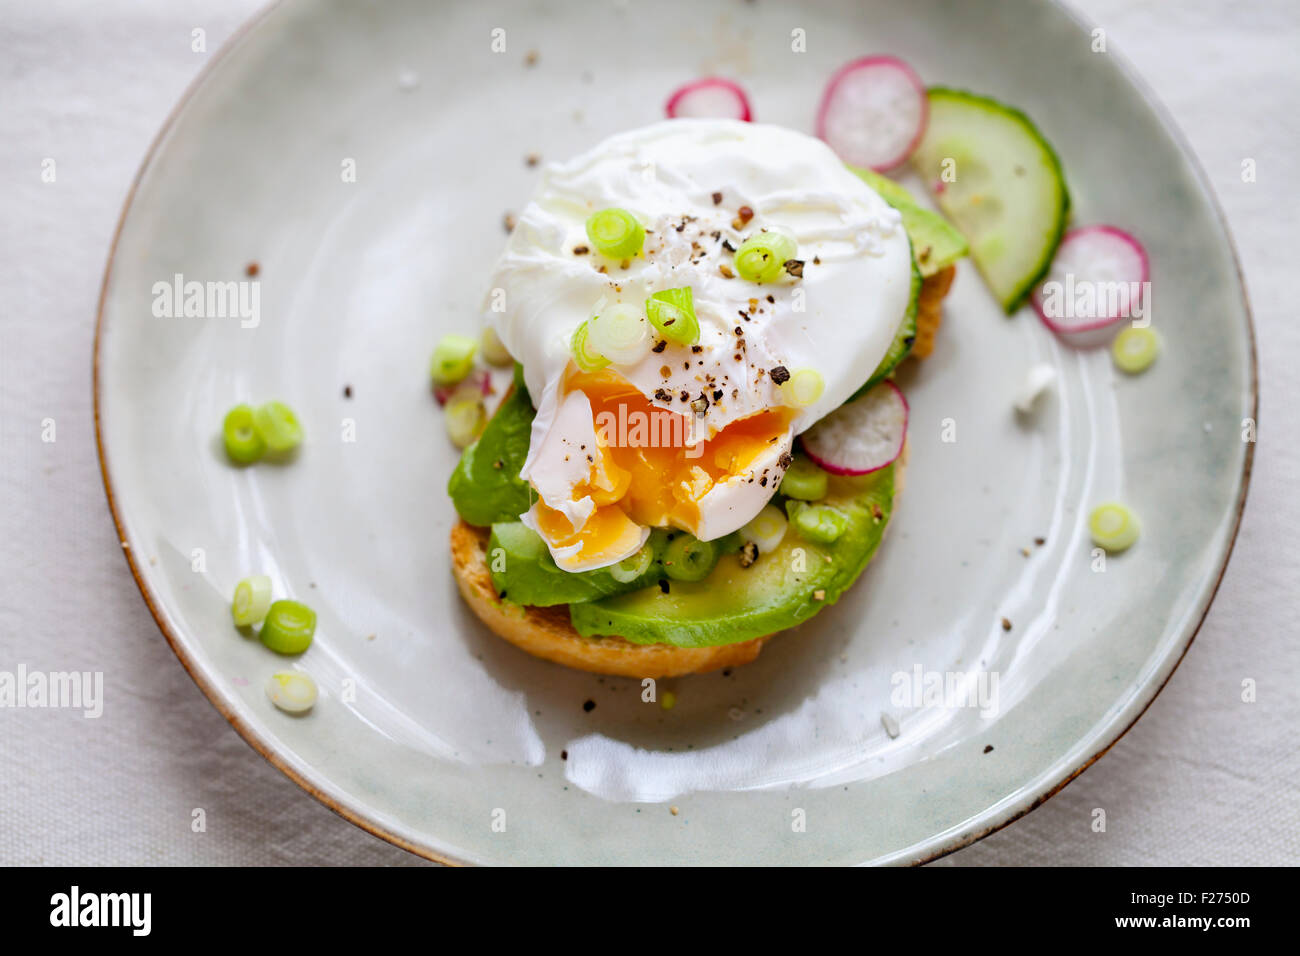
643, 474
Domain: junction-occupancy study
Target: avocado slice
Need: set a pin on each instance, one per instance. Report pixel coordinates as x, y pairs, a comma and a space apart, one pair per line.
523, 570
936, 243
485, 487
779, 590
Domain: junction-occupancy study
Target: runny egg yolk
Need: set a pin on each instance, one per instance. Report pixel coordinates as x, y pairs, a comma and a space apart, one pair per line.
643, 474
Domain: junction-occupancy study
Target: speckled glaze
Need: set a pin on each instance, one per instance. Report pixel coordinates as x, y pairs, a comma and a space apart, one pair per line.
436, 735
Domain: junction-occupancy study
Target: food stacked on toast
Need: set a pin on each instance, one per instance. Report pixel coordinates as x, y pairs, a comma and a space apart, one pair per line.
703, 442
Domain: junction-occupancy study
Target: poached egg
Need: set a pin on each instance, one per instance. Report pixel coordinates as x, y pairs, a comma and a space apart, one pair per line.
694, 437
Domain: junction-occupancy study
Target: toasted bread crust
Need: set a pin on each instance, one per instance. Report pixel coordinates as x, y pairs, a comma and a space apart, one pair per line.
546, 632
929, 312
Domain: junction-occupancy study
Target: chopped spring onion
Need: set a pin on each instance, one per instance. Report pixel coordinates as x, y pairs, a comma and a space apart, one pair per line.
292, 691
804, 480
820, 524
672, 313
767, 529
278, 426
615, 233
687, 558
494, 350
453, 359
465, 417
762, 257
633, 566
1134, 349
243, 444
620, 333
584, 356
1113, 526
289, 627
252, 600
804, 387
668, 701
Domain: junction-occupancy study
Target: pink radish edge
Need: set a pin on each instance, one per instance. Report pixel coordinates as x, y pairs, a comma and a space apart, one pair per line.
865, 62
834, 469
1123, 236
709, 81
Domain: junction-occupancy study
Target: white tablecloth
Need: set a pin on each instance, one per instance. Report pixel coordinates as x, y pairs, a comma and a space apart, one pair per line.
1203, 778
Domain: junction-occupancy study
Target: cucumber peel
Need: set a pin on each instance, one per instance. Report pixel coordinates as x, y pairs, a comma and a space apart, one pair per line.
996, 177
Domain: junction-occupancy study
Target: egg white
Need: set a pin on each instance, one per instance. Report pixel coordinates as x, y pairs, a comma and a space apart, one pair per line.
838, 319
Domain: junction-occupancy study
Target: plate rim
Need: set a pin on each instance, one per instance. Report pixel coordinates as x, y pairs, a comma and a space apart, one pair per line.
355, 814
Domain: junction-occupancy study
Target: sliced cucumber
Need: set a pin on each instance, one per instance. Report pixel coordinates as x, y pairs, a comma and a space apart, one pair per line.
996, 177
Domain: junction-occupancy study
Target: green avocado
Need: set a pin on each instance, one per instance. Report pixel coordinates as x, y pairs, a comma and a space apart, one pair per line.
485, 487
779, 590
523, 570
936, 243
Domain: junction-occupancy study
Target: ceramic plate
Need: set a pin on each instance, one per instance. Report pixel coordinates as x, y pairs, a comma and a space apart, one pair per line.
363, 155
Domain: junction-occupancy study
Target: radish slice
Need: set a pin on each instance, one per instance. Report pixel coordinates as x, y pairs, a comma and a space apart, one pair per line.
874, 112
861, 436
711, 98
1099, 276
478, 382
